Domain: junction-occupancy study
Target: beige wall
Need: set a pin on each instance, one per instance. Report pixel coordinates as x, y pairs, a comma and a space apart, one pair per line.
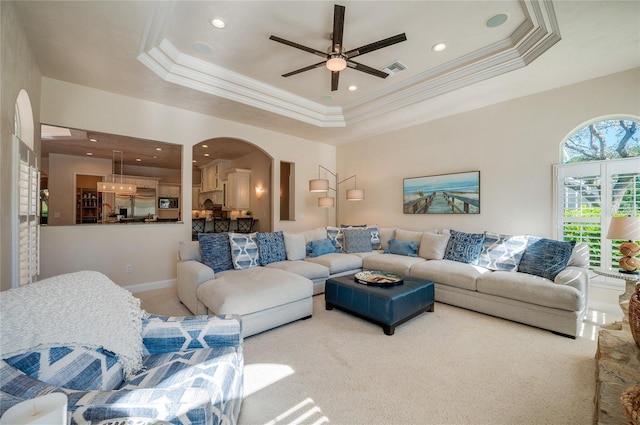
513, 144
19, 71
151, 249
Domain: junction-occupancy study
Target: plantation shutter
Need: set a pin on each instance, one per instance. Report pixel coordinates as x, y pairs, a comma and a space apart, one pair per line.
29, 229
587, 195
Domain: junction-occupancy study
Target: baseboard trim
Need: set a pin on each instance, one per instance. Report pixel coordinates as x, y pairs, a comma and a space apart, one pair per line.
149, 286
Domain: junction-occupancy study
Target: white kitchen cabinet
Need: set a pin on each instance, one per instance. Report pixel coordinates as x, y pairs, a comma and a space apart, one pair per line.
213, 173
238, 189
168, 190
195, 193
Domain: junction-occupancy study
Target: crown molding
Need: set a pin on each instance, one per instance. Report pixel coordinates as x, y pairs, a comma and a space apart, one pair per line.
532, 38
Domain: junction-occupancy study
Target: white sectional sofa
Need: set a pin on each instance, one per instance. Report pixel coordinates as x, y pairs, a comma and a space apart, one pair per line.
535, 281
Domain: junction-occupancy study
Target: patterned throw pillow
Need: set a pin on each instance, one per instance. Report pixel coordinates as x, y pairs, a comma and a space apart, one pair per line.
244, 250
271, 247
77, 368
408, 248
336, 236
215, 251
464, 247
321, 247
373, 230
502, 252
545, 257
357, 240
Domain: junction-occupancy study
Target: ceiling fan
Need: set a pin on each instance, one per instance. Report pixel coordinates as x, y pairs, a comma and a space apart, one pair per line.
337, 59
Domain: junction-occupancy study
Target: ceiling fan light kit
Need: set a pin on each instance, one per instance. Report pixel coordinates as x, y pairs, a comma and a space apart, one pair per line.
337, 59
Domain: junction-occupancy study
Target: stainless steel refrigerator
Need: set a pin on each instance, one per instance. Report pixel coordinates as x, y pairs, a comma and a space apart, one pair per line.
140, 205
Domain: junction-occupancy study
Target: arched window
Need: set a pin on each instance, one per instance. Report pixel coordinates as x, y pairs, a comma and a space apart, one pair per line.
599, 179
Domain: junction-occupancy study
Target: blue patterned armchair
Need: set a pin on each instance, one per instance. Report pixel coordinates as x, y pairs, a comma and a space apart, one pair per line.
191, 372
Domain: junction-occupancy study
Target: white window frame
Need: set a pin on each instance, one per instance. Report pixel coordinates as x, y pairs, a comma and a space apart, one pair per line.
605, 169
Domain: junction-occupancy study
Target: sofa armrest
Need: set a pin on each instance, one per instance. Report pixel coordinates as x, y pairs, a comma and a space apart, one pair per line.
190, 275
162, 334
576, 277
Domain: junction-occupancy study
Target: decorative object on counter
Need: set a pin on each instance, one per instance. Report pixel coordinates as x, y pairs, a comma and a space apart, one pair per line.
322, 186
626, 228
113, 187
244, 224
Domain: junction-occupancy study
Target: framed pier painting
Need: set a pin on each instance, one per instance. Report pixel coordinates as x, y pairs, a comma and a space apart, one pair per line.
457, 193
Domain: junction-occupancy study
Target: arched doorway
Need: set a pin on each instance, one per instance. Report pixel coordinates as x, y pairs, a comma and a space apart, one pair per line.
213, 194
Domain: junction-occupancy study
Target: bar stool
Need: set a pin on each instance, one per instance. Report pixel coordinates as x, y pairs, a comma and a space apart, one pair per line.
197, 226
244, 224
221, 225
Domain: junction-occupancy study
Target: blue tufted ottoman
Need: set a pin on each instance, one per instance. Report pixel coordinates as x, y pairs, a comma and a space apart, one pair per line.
387, 306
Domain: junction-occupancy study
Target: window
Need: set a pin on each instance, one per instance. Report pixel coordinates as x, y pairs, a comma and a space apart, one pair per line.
599, 180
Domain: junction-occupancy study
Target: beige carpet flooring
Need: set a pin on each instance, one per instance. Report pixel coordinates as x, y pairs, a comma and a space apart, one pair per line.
451, 366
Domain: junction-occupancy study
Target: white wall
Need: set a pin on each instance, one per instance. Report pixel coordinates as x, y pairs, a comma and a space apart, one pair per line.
514, 145
151, 249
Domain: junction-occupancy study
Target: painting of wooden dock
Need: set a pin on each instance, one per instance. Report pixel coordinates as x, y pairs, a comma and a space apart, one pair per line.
442, 194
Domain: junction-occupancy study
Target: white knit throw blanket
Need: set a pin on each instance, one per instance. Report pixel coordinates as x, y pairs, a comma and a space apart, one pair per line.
76, 309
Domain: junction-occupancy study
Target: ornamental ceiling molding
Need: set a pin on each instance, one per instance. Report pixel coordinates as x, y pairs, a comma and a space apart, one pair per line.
538, 33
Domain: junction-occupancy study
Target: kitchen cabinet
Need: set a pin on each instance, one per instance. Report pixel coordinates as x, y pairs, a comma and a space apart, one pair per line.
195, 193
213, 174
237, 191
168, 190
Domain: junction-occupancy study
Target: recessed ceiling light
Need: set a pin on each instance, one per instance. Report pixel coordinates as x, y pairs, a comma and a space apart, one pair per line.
438, 47
138, 160
89, 153
158, 149
217, 22
496, 20
93, 140
206, 154
194, 161
353, 87
205, 146
201, 47
155, 156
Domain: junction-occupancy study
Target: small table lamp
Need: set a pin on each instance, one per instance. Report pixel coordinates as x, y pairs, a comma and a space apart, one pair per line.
628, 228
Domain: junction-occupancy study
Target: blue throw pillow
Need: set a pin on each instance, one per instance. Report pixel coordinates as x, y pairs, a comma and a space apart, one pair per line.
407, 248
545, 257
271, 247
321, 247
464, 247
215, 250
244, 250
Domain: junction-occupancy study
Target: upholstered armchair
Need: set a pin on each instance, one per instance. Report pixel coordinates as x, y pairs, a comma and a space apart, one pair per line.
190, 369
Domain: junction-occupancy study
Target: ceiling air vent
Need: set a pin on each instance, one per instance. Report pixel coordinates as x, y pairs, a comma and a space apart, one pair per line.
394, 68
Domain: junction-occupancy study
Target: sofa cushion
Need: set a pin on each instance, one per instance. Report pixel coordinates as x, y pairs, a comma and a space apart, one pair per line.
464, 247
295, 246
357, 240
307, 269
189, 250
433, 245
76, 368
320, 247
408, 235
338, 262
244, 250
407, 248
502, 252
314, 234
579, 255
531, 289
386, 234
545, 257
393, 263
271, 247
449, 272
251, 290
216, 252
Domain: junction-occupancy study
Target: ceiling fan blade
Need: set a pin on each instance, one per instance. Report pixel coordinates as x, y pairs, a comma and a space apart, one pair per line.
335, 76
306, 68
338, 27
367, 69
298, 46
377, 45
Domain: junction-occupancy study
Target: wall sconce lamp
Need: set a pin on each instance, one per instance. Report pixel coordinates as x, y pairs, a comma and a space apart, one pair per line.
626, 228
259, 192
322, 186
